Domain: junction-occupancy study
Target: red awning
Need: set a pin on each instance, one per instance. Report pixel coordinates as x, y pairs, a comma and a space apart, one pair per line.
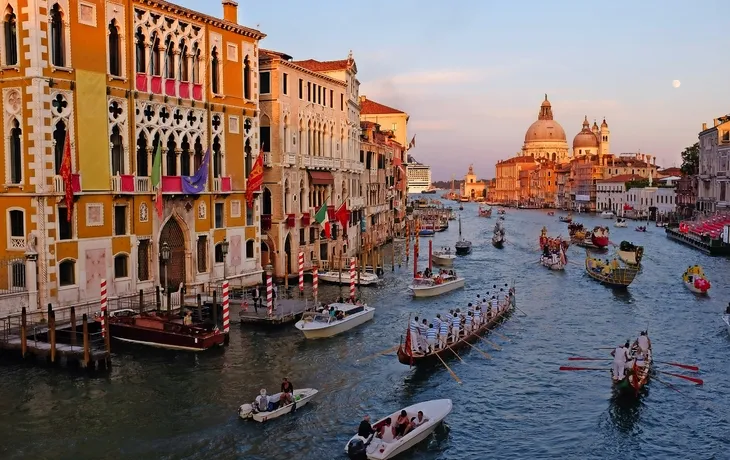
321, 178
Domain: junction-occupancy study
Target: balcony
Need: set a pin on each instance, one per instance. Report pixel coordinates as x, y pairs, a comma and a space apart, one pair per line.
60, 187
155, 84
222, 184
313, 162
17, 243
356, 202
265, 222
291, 221
125, 183
290, 159
268, 162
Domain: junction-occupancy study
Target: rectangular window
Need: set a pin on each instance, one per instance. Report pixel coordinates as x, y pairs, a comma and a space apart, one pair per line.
342, 102
202, 254
120, 266
65, 228
312, 234
301, 89
17, 224
309, 91
324, 97
120, 220
220, 210
319, 94
143, 260
249, 216
332, 98
302, 237
285, 84
265, 82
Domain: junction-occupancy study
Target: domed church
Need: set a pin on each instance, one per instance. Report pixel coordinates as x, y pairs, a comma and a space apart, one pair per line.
591, 141
546, 138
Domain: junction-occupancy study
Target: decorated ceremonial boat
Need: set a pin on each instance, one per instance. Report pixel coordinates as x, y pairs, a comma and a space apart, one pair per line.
485, 211
630, 254
617, 276
695, 280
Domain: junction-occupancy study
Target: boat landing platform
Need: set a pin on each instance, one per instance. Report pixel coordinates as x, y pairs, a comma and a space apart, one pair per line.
285, 311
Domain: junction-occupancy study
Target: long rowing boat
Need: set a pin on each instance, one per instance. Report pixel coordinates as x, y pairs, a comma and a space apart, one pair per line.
416, 358
636, 378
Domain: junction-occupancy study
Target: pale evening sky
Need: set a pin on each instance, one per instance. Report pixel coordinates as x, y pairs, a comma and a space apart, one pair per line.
472, 74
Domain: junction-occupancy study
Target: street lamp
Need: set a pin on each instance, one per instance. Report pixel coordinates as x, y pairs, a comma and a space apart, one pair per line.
224, 251
165, 257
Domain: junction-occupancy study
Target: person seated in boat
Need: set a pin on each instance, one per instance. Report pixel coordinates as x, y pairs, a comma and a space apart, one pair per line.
188, 319
402, 424
386, 432
431, 335
261, 404
614, 264
365, 430
427, 273
606, 270
439, 280
333, 313
419, 275
287, 392
418, 420
339, 315
620, 358
546, 251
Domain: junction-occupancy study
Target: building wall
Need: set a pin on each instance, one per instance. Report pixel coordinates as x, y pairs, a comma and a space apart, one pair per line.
713, 191
396, 122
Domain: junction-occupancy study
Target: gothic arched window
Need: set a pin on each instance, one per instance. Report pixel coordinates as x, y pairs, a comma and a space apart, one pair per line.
115, 52
117, 151
141, 56
215, 71
10, 31
58, 51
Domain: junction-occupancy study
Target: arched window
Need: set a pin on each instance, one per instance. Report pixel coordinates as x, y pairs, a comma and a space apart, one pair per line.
267, 202
59, 136
198, 156
184, 62
185, 157
10, 31
155, 55
17, 227
250, 249
169, 59
217, 157
196, 64
58, 51
219, 257
248, 161
302, 196
287, 197
214, 71
246, 78
121, 266
171, 154
117, 151
141, 52
16, 156
142, 170
67, 273
285, 141
115, 52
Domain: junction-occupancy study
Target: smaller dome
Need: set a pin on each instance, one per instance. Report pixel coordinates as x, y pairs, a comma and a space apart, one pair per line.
585, 138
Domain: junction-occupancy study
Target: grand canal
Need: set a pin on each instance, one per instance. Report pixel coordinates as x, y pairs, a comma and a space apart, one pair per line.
167, 405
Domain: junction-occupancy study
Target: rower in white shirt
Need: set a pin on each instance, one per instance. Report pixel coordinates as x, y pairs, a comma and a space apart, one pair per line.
443, 336
455, 325
477, 317
469, 323
620, 358
643, 344
415, 342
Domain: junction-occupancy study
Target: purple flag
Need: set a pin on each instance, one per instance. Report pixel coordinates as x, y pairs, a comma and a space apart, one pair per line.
193, 185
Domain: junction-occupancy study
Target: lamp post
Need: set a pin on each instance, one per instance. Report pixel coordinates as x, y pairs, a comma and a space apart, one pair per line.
165, 257
224, 251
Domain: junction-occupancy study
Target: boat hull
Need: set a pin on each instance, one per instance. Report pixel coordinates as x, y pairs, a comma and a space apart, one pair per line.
548, 262
306, 396
695, 289
368, 280
167, 339
462, 250
635, 381
437, 289
600, 241
338, 327
498, 243
444, 261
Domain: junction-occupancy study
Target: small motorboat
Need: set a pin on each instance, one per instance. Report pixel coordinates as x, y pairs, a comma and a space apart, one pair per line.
426, 232
272, 411
320, 325
620, 223
363, 279
434, 412
440, 284
641, 228
607, 215
695, 280
463, 247
567, 219
444, 258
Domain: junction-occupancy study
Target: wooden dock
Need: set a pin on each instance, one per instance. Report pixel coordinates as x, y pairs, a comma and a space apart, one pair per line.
286, 311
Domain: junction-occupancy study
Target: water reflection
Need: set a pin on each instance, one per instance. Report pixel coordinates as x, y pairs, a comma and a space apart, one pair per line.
625, 411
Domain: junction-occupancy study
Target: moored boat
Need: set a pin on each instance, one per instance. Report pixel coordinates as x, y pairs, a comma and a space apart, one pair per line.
440, 284
443, 258
272, 411
629, 253
162, 331
695, 280
434, 412
607, 215
363, 279
320, 325
612, 274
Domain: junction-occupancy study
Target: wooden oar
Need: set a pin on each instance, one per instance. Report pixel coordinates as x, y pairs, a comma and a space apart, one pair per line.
680, 376
683, 366
568, 368
667, 384
453, 374
486, 355
500, 335
492, 344
455, 354
393, 348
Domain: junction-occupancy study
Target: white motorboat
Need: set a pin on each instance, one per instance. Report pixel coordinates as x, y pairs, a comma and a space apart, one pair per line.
365, 278
320, 325
608, 215
726, 318
444, 258
434, 412
620, 223
553, 262
431, 287
251, 411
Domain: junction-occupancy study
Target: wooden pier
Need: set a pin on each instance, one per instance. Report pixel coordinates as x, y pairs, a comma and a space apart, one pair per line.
286, 311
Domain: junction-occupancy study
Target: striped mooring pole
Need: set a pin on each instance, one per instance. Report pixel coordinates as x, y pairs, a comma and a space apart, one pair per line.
226, 320
352, 278
103, 307
270, 293
301, 273
315, 284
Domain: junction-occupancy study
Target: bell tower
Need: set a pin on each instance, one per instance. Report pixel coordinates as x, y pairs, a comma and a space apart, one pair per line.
604, 138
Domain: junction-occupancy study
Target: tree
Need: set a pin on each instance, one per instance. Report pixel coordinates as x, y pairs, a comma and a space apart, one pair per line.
691, 159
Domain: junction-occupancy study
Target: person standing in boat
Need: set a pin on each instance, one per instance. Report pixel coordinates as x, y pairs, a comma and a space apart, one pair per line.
643, 343
431, 335
415, 341
620, 358
443, 334
422, 329
455, 325
469, 323
287, 392
477, 317
262, 401
365, 430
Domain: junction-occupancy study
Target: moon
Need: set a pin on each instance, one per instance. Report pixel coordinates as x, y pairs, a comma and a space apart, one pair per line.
676, 83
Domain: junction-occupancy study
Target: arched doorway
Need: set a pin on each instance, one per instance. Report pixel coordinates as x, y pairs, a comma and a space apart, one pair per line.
173, 235
287, 254
265, 256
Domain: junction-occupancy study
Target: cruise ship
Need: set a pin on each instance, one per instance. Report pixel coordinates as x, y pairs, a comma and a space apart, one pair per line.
419, 176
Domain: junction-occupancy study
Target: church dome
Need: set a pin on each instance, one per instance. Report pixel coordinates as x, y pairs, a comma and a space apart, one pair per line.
545, 129
585, 138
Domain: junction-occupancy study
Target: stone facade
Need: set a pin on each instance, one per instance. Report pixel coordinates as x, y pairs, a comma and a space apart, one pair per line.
713, 191
473, 188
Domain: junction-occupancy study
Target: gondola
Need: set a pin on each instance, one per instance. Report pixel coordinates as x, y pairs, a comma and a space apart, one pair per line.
431, 359
621, 277
463, 247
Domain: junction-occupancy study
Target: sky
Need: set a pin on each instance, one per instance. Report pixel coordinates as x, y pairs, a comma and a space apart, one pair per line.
472, 74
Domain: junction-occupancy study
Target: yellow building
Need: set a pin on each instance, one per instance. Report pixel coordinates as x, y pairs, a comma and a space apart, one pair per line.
473, 188
388, 118
170, 79
508, 188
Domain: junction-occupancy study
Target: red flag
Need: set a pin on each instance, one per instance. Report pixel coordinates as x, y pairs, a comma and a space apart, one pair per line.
342, 215
408, 347
67, 175
255, 178
412, 144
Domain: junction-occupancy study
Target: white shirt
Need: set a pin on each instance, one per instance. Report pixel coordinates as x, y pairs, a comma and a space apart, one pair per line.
417, 422
643, 342
621, 355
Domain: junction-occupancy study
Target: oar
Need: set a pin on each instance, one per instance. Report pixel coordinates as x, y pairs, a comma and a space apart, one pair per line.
680, 376
492, 344
500, 335
667, 384
453, 374
486, 355
683, 366
393, 348
455, 354
579, 358
518, 308
568, 368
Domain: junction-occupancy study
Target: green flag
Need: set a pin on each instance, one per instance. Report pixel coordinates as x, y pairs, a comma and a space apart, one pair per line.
323, 219
157, 166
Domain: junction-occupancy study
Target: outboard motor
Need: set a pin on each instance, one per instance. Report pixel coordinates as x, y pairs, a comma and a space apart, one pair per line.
357, 449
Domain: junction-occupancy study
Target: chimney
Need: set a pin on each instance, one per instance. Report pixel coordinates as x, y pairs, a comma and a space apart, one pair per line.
363, 98
704, 126
230, 11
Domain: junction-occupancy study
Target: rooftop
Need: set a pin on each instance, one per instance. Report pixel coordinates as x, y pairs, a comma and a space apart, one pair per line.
368, 107
323, 66
621, 179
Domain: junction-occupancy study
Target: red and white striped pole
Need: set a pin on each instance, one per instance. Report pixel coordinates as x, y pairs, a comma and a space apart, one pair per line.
270, 293
103, 307
301, 273
226, 320
315, 284
352, 279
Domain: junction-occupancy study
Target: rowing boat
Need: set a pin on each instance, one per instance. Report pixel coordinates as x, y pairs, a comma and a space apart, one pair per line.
620, 276
417, 358
636, 378
695, 280
630, 254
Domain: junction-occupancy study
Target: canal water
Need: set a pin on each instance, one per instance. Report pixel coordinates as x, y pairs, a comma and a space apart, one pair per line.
167, 405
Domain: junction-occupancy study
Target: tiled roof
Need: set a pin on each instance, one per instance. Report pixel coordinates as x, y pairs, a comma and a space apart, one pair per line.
272, 53
368, 107
518, 159
670, 172
622, 178
323, 66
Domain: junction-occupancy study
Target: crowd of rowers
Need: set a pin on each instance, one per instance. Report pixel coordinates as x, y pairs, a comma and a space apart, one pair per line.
452, 326
603, 267
625, 356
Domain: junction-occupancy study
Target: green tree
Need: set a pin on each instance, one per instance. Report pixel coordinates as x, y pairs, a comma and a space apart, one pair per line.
691, 159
